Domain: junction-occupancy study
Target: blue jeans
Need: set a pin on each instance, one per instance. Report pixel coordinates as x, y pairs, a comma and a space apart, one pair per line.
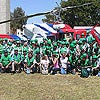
63, 71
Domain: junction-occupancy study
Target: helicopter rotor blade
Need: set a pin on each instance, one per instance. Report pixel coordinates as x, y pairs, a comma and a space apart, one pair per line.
71, 7
44, 13
5, 21
33, 15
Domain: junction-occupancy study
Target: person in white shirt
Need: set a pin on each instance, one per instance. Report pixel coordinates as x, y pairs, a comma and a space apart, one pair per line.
44, 64
64, 62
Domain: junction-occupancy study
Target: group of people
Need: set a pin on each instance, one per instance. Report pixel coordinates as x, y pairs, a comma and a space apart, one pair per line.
50, 57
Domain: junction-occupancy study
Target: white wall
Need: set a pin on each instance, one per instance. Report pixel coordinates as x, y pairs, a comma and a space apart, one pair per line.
4, 15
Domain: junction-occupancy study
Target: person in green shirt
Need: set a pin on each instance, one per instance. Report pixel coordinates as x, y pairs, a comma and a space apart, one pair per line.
9, 47
45, 41
29, 63
83, 60
90, 50
16, 61
89, 37
82, 37
19, 47
5, 43
73, 61
25, 47
42, 48
48, 51
72, 48
32, 45
94, 65
1, 45
23, 57
37, 58
5, 62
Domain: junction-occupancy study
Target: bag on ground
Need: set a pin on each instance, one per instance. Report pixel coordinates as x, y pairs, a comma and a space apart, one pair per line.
84, 72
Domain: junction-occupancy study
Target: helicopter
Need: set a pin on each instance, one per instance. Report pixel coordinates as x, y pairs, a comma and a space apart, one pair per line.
56, 12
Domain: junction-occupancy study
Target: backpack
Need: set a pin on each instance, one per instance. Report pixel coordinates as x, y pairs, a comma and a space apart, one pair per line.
84, 73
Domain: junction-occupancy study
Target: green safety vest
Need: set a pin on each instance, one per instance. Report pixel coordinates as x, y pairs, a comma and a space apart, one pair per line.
5, 60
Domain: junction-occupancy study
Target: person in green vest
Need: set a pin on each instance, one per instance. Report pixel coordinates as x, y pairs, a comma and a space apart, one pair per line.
90, 50
94, 65
29, 63
63, 47
72, 48
83, 60
78, 48
63, 44
0, 53
1, 45
16, 61
45, 41
84, 64
89, 37
55, 48
5, 43
9, 48
85, 46
37, 59
96, 48
23, 57
94, 61
49, 48
67, 48
82, 37
32, 45
19, 47
42, 48
36, 42
59, 46
73, 61
5, 62
48, 51
25, 46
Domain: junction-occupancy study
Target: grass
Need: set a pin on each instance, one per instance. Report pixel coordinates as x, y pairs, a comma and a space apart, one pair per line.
48, 87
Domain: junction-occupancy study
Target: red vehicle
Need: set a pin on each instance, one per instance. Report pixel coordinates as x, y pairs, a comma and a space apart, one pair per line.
95, 33
77, 33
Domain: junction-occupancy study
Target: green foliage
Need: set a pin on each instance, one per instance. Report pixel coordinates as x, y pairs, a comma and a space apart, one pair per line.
49, 18
17, 24
85, 15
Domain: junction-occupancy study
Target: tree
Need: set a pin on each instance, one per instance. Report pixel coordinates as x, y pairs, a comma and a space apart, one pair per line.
49, 18
17, 24
85, 15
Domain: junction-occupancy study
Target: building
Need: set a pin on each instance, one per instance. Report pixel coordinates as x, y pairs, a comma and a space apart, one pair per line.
4, 15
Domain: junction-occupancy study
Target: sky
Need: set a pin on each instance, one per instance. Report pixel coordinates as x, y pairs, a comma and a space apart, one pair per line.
34, 6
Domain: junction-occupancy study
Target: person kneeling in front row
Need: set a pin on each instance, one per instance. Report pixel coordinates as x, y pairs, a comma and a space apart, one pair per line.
29, 63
